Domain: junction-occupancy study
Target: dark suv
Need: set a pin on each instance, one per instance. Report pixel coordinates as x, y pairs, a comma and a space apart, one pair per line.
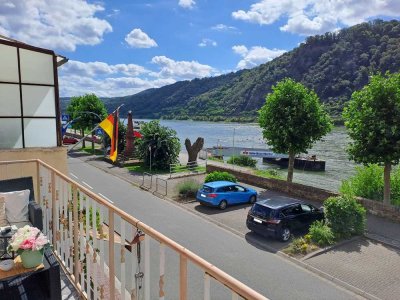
280, 216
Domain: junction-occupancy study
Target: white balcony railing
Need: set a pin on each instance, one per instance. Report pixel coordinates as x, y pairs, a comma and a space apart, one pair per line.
109, 254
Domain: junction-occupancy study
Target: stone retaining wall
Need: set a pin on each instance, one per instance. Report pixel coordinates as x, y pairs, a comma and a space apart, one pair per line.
306, 192
382, 210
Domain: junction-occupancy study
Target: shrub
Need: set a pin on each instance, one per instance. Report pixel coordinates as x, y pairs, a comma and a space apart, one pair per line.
368, 183
345, 216
219, 176
188, 188
321, 234
299, 246
268, 173
242, 160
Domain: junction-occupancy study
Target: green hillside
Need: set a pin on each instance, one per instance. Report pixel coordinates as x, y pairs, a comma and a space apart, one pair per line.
333, 64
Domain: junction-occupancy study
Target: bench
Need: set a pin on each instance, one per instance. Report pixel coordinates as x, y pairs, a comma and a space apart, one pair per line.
25, 183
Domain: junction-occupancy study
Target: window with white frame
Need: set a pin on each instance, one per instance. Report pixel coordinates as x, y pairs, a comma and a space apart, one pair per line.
29, 114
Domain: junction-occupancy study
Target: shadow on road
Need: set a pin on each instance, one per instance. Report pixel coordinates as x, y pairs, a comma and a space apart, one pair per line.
264, 243
209, 210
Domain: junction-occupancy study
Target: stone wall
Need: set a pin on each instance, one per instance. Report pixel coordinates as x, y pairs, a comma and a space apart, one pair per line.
305, 192
382, 210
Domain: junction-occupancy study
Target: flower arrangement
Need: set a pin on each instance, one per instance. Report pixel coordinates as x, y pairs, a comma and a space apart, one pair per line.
28, 238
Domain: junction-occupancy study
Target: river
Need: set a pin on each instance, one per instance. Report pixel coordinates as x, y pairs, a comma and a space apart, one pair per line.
331, 148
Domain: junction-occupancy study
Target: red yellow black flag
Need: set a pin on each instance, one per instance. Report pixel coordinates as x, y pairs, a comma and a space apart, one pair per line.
110, 126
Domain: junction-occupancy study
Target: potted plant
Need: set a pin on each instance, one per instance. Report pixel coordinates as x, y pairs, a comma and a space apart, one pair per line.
29, 242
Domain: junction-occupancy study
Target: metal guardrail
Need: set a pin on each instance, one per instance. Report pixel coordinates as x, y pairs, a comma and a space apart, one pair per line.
99, 244
143, 180
164, 185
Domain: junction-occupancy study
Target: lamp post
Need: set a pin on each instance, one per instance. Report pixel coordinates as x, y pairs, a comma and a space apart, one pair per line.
150, 157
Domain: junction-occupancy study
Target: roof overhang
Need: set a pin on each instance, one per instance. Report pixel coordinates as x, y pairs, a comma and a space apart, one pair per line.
60, 59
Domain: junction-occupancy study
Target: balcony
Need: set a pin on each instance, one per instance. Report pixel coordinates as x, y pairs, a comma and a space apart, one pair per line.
106, 253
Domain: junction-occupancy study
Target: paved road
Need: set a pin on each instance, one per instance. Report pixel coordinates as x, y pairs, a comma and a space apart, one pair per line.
267, 273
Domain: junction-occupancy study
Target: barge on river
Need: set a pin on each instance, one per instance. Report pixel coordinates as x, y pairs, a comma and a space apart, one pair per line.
310, 163
302, 163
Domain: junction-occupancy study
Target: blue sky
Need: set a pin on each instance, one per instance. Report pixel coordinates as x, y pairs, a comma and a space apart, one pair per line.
119, 48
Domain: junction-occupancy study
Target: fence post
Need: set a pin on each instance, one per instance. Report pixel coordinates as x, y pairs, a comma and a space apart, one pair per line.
76, 231
53, 207
183, 277
111, 253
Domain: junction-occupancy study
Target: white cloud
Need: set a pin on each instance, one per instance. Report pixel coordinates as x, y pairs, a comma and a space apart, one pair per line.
240, 49
54, 24
105, 80
223, 27
98, 68
113, 13
309, 17
187, 3
255, 56
181, 70
139, 39
207, 42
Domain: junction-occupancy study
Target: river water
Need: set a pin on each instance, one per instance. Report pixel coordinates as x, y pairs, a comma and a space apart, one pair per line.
331, 148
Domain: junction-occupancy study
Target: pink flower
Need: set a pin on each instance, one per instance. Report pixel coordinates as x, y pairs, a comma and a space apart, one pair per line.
27, 244
28, 238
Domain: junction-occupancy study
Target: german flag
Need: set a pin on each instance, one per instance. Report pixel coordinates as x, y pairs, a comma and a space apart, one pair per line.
110, 126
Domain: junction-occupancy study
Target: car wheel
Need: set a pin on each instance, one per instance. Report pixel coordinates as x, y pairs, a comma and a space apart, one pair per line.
252, 199
285, 234
223, 204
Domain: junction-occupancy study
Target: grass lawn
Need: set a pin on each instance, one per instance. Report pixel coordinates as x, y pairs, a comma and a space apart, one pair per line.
142, 169
89, 150
184, 168
268, 174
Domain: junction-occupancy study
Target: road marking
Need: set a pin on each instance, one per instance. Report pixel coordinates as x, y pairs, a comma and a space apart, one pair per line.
73, 175
106, 198
87, 185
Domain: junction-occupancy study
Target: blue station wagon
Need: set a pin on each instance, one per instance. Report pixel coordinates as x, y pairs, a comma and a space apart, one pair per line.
223, 193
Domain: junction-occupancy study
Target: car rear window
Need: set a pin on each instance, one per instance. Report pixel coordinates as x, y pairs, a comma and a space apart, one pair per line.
207, 189
262, 211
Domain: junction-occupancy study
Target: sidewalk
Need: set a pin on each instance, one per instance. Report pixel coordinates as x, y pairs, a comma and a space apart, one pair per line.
368, 266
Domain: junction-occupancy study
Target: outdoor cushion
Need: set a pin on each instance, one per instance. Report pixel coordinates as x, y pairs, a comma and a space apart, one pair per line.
3, 219
16, 204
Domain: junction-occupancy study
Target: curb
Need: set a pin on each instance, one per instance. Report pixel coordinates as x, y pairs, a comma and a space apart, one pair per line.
299, 262
329, 248
383, 240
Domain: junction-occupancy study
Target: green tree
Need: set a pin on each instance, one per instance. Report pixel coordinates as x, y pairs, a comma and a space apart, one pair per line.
89, 109
159, 145
372, 118
292, 120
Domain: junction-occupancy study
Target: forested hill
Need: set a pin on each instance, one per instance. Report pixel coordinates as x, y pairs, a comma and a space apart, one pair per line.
333, 64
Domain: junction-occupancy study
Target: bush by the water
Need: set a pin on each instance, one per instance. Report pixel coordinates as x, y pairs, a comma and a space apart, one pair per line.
220, 176
268, 173
188, 188
345, 216
368, 183
242, 160
321, 234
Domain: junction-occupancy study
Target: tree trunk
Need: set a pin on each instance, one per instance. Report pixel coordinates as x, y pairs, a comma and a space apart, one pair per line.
290, 166
93, 142
193, 150
386, 176
83, 141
